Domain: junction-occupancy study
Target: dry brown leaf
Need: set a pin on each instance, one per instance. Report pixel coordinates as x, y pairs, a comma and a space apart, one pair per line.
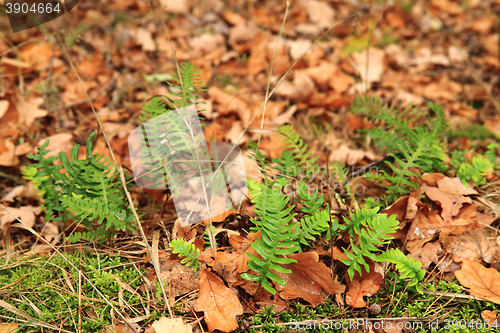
319, 12
224, 263
57, 143
308, 263
171, 325
444, 88
265, 298
301, 87
227, 102
350, 156
366, 285
337, 254
219, 303
449, 195
322, 74
181, 278
483, 282
4, 106
121, 328
340, 81
258, 58
24, 213
448, 6
491, 317
144, 38
16, 191
241, 245
430, 253
8, 328
474, 244
423, 227
175, 6
28, 110
299, 285
431, 179
375, 63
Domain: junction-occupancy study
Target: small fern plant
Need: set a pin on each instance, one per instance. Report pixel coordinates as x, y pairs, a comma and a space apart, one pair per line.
372, 228
411, 148
87, 190
278, 239
187, 251
477, 169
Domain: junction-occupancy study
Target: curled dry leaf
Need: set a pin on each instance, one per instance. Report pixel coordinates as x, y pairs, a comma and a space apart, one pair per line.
219, 303
365, 285
483, 282
13, 193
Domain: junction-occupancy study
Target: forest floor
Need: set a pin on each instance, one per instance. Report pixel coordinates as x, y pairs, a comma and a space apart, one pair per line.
324, 59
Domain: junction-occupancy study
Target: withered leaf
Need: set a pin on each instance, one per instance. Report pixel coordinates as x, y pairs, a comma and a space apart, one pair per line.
307, 279
449, 195
171, 325
219, 303
423, 227
474, 244
365, 285
491, 317
430, 253
483, 282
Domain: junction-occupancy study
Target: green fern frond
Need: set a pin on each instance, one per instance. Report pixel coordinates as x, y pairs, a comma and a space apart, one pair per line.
311, 201
407, 267
418, 147
89, 188
190, 81
94, 236
278, 238
299, 148
314, 225
372, 228
185, 249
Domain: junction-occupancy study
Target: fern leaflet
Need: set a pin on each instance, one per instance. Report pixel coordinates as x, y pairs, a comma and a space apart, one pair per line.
278, 239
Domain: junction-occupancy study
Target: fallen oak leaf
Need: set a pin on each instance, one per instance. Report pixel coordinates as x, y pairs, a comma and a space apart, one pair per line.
219, 303
449, 195
482, 282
